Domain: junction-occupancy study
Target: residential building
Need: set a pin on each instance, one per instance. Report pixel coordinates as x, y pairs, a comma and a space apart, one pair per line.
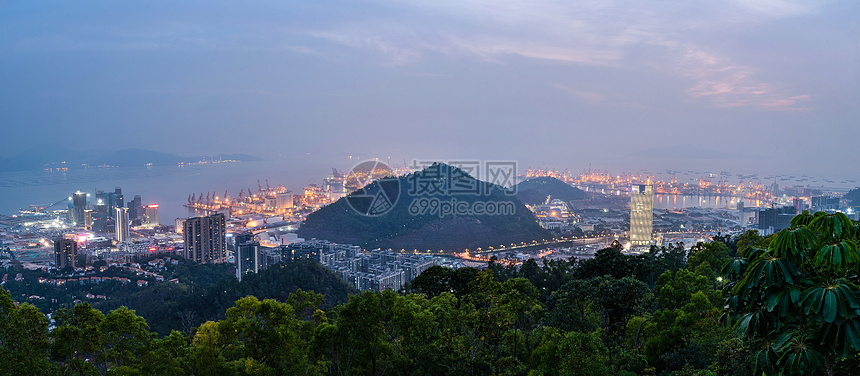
205, 238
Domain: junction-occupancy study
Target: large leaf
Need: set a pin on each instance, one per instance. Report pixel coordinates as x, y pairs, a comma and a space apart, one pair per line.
734, 267
797, 355
837, 257
768, 271
794, 244
782, 300
831, 300
802, 219
831, 227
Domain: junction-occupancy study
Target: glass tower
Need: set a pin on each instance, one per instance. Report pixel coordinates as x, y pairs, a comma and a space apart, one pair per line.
641, 212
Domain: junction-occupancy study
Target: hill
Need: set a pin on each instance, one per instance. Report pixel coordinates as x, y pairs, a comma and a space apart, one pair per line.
140, 157
55, 155
136, 157
534, 191
183, 306
422, 217
853, 196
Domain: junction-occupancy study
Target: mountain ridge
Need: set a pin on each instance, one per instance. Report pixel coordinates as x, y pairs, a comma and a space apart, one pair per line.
58, 156
409, 225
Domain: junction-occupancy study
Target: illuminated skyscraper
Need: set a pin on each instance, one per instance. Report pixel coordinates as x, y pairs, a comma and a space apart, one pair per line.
135, 209
79, 203
205, 238
65, 252
150, 215
121, 224
641, 215
247, 255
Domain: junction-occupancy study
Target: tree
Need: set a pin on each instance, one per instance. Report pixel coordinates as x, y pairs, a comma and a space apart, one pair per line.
125, 336
77, 339
569, 308
570, 354
438, 279
618, 300
23, 338
796, 301
607, 261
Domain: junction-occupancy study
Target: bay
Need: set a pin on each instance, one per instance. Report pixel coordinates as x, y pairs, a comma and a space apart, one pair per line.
167, 186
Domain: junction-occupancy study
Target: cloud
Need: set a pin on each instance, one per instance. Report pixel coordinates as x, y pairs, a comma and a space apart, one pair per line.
397, 54
724, 84
593, 34
778, 8
588, 96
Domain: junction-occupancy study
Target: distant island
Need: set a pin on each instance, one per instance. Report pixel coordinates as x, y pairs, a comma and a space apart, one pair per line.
407, 226
61, 157
535, 191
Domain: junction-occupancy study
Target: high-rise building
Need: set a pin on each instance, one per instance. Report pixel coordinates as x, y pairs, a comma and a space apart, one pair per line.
100, 221
113, 200
119, 200
150, 215
773, 220
178, 225
247, 255
135, 209
641, 215
65, 252
102, 200
205, 238
79, 205
122, 224
88, 219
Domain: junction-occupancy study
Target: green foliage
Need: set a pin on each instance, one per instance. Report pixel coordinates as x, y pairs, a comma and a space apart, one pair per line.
571, 307
539, 319
437, 279
796, 300
619, 300
184, 306
570, 354
23, 339
645, 267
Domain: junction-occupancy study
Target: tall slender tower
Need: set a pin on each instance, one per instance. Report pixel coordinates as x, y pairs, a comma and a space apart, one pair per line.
247, 255
79, 200
121, 224
641, 215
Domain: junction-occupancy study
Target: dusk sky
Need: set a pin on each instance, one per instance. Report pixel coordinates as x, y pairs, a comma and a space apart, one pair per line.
767, 86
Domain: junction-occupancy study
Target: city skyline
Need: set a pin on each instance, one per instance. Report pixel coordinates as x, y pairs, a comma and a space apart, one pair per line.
770, 86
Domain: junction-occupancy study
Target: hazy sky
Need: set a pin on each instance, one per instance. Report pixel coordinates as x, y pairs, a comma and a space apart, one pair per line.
743, 86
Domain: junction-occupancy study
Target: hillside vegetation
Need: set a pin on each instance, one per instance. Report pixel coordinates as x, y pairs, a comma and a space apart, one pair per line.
411, 225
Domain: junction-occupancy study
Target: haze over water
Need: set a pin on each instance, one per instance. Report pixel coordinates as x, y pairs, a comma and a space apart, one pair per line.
170, 186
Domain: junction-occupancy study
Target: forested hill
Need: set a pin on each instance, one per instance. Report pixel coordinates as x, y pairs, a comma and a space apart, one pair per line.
853, 196
535, 191
168, 306
417, 219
